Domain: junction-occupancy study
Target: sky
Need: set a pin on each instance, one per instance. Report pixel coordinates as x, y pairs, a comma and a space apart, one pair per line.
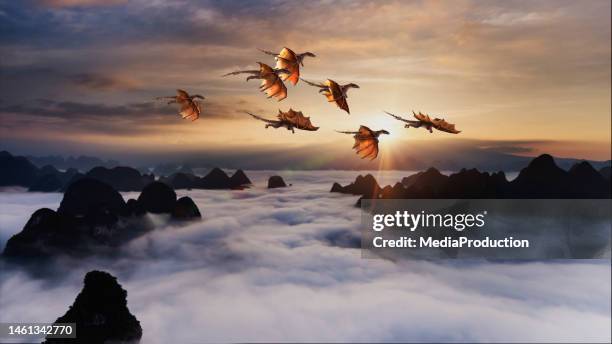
79, 76
280, 266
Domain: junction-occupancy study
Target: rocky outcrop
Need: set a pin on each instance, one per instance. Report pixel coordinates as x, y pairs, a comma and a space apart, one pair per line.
215, 179
542, 178
185, 209
100, 313
276, 182
239, 179
86, 196
181, 180
121, 178
157, 198
363, 185
93, 218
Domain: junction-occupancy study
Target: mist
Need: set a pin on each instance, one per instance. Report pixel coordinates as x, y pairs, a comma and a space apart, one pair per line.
268, 265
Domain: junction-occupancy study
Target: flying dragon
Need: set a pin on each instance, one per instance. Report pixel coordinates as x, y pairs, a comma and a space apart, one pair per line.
289, 60
290, 120
271, 82
366, 141
190, 107
426, 122
334, 92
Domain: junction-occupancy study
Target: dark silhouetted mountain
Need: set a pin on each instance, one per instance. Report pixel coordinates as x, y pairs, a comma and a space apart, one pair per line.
51, 180
474, 184
100, 313
542, 178
605, 172
167, 169
586, 182
366, 186
181, 180
215, 179
93, 218
133, 208
45, 231
185, 209
430, 177
83, 163
157, 198
276, 182
46, 183
121, 178
88, 195
393, 192
239, 179
16, 170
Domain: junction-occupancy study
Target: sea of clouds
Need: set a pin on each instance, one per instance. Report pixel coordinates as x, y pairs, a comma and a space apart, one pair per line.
279, 265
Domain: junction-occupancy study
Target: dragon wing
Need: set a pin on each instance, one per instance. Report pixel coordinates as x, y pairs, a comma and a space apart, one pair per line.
287, 59
190, 110
297, 119
423, 117
442, 125
181, 95
334, 94
366, 143
273, 86
271, 83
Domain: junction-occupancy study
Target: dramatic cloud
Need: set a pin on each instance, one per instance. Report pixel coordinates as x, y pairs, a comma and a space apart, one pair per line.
270, 265
501, 70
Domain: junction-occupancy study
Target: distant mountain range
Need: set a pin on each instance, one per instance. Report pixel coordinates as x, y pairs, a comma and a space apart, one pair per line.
413, 156
82, 162
541, 178
19, 171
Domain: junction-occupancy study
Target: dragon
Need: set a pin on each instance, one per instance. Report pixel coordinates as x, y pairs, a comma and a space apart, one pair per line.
290, 120
366, 141
271, 82
334, 92
426, 122
189, 105
289, 60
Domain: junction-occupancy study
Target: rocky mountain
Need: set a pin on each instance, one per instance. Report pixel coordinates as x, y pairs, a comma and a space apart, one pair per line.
93, 217
121, 178
18, 171
100, 313
215, 179
542, 178
276, 182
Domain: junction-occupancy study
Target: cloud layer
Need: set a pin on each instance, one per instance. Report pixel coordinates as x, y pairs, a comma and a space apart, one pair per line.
262, 267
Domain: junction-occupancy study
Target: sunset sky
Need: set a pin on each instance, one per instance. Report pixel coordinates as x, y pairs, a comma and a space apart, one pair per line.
79, 76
